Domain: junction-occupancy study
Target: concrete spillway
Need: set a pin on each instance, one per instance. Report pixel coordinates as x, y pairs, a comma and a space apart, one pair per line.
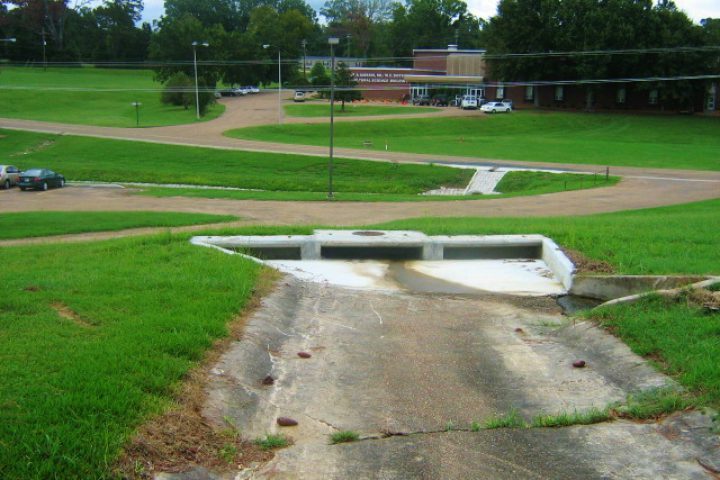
517, 264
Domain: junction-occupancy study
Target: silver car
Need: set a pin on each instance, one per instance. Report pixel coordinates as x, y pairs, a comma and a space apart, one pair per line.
9, 176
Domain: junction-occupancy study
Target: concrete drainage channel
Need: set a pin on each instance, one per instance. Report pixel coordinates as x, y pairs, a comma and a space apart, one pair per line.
412, 261
418, 375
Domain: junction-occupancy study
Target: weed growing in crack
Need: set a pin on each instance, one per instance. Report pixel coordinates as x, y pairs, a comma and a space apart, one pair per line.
271, 442
344, 437
653, 403
565, 419
450, 426
475, 427
512, 419
228, 452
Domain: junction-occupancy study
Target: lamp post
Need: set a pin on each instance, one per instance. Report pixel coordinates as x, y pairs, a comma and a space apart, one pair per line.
279, 83
196, 44
137, 112
332, 41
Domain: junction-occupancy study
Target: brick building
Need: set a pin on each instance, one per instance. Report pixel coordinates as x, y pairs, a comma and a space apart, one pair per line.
452, 71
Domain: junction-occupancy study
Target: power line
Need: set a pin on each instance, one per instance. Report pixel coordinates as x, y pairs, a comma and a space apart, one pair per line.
487, 56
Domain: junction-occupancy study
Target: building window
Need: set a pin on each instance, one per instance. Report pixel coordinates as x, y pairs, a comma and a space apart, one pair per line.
620, 96
653, 97
559, 93
529, 93
500, 92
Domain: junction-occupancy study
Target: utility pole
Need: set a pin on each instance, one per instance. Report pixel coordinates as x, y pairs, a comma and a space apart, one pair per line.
332, 41
304, 45
44, 44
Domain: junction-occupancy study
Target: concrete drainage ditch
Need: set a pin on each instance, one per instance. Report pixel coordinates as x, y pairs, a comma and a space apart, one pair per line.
411, 372
412, 261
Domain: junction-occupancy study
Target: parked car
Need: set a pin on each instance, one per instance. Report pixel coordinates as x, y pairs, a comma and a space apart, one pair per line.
457, 101
421, 100
440, 101
469, 102
508, 103
252, 89
299, 96
40, 179
9, 176
494, 107
241, 91
228, 92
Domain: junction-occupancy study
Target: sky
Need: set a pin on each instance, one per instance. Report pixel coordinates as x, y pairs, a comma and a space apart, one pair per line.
695, 9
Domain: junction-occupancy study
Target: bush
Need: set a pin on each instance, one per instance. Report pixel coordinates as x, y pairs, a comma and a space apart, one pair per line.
180, 91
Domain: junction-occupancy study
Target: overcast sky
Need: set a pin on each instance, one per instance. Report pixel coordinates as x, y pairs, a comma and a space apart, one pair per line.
696, 9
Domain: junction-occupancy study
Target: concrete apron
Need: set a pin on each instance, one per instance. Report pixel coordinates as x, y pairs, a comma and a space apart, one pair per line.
391, 363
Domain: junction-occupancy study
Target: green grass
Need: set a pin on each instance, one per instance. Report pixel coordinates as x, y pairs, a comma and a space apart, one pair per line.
565, 419
514, 184
345, 436
351, 110
271, 442
86, 158
681, 339
666, 240
74, 390
512, 419
57, 96
653, 403
40, 224
580, 138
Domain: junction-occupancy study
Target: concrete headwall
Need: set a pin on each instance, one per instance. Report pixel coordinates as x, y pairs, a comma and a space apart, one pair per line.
617, 286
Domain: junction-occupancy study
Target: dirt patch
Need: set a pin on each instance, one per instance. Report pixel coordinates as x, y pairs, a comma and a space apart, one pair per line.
181, 438
35, 148
705, 298
69, 314
588, 265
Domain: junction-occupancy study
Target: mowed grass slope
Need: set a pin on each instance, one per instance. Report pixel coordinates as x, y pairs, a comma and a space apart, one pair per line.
95, 337
666, 240
89, 96
86, 158
352, 110
679, 336
39, 224
582, 138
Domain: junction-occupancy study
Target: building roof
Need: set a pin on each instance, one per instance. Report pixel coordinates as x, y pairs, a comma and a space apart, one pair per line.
446, 50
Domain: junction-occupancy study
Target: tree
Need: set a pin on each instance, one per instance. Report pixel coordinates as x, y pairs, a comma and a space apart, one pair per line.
345, 82
320, 79
178, 91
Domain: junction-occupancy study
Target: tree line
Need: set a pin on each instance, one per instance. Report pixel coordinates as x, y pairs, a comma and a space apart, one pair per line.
245, 36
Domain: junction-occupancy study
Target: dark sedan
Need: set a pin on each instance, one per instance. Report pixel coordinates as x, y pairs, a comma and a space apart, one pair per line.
40, 179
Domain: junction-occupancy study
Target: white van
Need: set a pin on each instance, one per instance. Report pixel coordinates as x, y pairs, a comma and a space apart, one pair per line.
299, 96
469, 102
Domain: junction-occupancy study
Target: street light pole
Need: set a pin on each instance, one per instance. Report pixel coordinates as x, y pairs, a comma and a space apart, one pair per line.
266, 46
332, 41
195, 44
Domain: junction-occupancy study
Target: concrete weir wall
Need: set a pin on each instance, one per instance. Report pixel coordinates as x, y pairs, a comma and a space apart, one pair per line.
399, 245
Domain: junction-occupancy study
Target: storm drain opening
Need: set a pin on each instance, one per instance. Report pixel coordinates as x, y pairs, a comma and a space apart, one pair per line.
371, 253
272, 253
492, 252
412, 261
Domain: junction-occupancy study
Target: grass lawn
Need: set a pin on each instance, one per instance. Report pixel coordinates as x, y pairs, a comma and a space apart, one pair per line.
514, 184
40, 224
581, 138
681, 339
89, 96
96, 337
86, 158
351, 110
666, 240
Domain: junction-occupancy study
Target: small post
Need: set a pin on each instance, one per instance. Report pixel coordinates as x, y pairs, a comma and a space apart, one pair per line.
137, 113
607, 174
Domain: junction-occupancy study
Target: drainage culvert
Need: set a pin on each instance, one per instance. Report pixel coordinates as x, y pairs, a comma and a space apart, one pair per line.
407, 260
